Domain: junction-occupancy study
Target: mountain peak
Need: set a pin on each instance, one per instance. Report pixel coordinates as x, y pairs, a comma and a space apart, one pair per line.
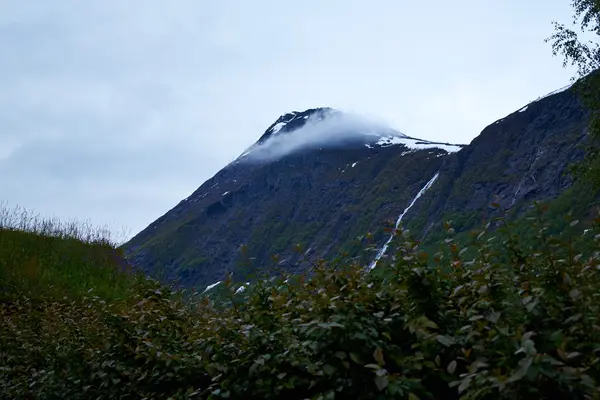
294, 120
327, 127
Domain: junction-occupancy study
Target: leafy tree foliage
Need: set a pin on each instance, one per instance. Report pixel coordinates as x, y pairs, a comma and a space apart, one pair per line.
585, 55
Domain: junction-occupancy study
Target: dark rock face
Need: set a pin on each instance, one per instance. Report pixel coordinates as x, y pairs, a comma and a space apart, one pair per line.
325, 197
514, 161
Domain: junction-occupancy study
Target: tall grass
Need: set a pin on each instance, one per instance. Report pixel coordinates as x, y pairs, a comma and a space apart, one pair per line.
22, 219
52, 258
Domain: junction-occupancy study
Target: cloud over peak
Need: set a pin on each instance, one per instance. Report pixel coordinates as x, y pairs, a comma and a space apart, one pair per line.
317, 128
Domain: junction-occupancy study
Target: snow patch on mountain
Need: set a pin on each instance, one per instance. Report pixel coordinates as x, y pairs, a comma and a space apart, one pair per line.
277, 127
211, 286
415, 144
562, 89
242, 288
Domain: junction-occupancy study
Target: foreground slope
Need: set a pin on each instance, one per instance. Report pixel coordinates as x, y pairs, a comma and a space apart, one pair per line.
325, 194
498, 325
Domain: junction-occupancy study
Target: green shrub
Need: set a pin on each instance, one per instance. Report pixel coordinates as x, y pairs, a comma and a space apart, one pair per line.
518, 320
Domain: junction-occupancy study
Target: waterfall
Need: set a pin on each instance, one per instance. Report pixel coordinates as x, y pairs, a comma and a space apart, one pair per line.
382, 251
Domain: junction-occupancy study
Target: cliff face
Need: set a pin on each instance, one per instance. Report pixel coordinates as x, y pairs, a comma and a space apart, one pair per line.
514, 161
324, 193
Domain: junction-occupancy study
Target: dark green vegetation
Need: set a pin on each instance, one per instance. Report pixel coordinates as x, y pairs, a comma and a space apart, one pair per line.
496, 316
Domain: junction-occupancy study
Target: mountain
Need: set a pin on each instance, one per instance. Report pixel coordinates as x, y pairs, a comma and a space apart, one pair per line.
323, 178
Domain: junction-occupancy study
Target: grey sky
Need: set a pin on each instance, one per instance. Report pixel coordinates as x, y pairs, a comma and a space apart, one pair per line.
113, 111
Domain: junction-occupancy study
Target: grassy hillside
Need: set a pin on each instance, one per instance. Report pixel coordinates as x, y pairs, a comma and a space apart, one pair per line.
52, 259
497, 317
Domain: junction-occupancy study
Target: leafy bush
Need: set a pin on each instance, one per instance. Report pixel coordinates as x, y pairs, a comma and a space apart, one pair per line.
518, 320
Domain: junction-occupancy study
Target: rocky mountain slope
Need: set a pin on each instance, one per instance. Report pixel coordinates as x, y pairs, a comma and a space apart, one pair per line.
322, 178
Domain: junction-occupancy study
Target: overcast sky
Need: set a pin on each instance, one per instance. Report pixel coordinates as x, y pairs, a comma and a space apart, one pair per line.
114, 110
